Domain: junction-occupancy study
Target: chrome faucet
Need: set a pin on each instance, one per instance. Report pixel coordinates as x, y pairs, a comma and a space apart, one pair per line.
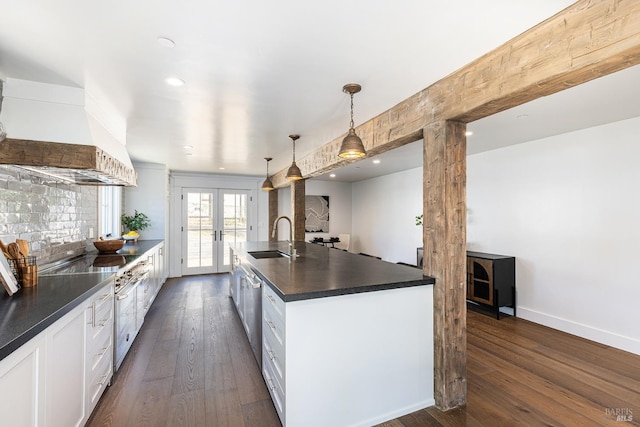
292, 252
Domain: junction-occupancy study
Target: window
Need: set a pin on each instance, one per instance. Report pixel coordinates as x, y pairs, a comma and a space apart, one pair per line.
109, 210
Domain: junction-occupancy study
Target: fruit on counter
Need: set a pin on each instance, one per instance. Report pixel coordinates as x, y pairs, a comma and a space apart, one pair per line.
131, 234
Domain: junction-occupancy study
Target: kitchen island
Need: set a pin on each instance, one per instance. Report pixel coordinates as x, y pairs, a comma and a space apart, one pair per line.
347, 340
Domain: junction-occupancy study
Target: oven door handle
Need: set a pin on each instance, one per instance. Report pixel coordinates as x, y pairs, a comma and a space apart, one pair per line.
121, 297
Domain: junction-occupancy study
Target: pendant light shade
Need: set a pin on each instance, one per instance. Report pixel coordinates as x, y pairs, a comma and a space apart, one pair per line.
294, 173
267, 185
352, 146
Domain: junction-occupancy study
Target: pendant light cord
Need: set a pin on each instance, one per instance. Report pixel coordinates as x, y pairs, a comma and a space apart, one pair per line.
351, 122
294, 150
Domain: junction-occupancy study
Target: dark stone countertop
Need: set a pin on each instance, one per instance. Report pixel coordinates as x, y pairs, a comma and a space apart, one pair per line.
321, 271
31, 310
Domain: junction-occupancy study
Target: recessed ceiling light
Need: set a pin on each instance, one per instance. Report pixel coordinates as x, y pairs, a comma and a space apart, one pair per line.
521, 116
187, 147
333, 175
221, 169
188, 154
166, 42
376, 162
174, 81
468, 133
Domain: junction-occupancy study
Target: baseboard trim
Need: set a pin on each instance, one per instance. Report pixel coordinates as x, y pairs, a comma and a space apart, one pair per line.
396, 414
621, 342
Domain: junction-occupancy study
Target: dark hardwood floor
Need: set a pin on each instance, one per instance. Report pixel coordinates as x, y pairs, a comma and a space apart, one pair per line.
191, 365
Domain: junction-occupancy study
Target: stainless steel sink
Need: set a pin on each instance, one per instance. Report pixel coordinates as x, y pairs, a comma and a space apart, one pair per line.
268, 254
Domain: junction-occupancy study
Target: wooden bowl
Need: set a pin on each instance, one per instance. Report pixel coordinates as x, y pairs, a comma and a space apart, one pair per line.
108, 246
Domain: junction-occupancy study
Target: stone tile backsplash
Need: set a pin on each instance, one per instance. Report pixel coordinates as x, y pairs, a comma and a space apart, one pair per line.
56, 218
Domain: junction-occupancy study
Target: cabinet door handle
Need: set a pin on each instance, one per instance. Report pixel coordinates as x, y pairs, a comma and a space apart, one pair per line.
271, 355
271, 325
94, 306
271, 384
103, 379
272, 299
121, 297
104, 350
254, 285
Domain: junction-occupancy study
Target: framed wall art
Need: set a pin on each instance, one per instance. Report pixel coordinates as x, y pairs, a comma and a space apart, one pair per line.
316, 213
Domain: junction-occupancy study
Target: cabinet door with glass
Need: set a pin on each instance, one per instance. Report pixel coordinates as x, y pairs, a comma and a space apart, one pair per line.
212, 220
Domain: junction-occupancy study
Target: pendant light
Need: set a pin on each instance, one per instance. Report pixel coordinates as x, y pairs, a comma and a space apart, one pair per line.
267, 185
294, 174
352, 146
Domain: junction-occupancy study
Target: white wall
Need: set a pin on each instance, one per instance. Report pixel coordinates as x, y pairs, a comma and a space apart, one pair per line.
340, 210
150, 197
384, 216
567, 208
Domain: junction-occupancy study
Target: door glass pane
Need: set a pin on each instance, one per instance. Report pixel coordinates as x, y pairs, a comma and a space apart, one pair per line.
199, 230
235, 221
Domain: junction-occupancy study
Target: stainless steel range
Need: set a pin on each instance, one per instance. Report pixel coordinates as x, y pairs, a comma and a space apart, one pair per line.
130, 275
126, 321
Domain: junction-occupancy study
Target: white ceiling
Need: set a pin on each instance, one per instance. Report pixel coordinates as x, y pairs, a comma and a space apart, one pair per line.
258, 71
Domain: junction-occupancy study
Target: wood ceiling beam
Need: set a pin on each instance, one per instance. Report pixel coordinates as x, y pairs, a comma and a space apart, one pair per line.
587, 40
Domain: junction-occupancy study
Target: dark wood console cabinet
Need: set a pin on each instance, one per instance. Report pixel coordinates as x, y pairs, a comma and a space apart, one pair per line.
491, 280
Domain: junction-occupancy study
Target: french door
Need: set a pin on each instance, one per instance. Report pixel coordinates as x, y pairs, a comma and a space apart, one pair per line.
212, 219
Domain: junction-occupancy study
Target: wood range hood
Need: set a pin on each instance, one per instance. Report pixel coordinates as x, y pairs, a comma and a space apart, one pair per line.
63, 134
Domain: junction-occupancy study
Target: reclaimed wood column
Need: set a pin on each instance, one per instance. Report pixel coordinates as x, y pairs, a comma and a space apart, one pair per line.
297, 209
444, 234
273, 213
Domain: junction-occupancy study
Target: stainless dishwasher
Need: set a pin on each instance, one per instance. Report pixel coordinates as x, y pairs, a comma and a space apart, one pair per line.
251, 299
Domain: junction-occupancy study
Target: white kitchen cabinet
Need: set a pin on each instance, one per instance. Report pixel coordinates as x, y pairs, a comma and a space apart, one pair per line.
157, 274
57, 377
99, 350
21, 385
349, 360
65, 370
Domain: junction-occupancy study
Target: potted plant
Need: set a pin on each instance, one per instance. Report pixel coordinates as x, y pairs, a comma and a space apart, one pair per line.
134, 223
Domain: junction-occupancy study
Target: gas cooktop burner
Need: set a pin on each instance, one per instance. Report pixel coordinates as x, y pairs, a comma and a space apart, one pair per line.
90, 263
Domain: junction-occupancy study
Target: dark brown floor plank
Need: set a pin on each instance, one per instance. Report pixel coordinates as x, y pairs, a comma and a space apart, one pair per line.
223, 408
162, 363
189, 374
187, 410
260, 414
152, 403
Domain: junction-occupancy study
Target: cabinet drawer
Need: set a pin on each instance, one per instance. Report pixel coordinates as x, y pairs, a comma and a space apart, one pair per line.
275, 389
102, 348
100, 378
274, 354
101, 315
272, 302
274, 327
